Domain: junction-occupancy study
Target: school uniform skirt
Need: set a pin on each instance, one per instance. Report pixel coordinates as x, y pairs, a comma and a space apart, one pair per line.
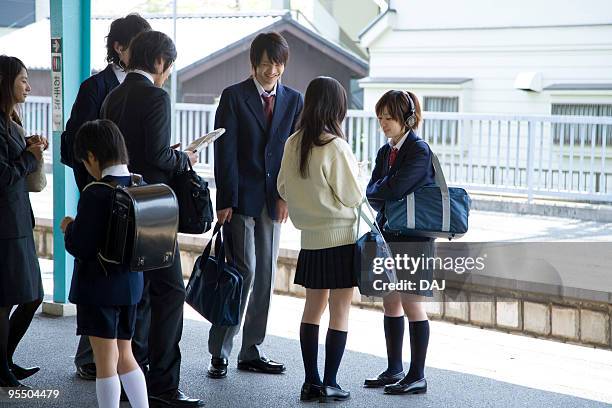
416, 247
328, 268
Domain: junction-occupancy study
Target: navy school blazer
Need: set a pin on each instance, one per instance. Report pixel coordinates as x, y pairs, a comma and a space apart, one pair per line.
248, 155
86, 107
413, 169
95, 282
16, 217
141, 110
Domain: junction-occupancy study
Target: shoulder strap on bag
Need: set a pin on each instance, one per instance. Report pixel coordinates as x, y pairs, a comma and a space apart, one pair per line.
361, 216
136, 179
441, 182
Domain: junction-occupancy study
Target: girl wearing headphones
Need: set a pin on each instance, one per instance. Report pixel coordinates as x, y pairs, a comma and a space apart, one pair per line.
403, 165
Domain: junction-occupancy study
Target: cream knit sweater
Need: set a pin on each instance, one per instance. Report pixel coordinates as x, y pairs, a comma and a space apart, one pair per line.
323, 205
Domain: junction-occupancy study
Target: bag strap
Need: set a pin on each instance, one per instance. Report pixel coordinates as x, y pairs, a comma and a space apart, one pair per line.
208, 247
230, 246
361, 216
392, 276
136, 179
441, 182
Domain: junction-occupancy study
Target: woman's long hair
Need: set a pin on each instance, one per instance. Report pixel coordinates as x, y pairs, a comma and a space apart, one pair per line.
324, 110
10, 68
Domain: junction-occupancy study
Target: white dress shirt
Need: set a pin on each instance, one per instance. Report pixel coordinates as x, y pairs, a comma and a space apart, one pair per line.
119, 73
399, 144
144, 74
118, 170
261, 90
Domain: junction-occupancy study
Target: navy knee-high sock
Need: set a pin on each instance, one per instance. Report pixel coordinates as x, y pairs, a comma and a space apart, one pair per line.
419, 339
394, 337
18, 325
7, 379
309, 342
334, 349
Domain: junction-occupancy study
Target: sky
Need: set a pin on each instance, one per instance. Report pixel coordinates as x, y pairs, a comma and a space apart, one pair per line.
116, 7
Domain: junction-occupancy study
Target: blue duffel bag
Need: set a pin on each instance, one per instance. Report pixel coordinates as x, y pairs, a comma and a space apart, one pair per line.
435, 211
369, 246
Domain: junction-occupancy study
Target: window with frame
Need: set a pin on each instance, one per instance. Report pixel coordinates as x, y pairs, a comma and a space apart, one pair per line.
440, 130
562, 132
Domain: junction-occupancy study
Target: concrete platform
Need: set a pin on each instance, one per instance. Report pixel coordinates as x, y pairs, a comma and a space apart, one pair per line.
466, 366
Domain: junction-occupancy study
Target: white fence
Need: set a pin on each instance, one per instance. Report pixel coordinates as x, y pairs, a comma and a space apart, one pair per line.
566, 157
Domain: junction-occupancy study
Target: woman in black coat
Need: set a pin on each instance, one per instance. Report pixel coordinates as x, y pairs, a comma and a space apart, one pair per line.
20, 280
403, 166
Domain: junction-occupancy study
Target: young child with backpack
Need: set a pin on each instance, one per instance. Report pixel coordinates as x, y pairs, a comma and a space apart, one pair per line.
106, 294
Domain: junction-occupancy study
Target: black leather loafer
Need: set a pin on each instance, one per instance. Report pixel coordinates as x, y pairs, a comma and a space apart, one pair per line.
174, 399
87, 371
9, 385
415, 387
333, 394
22, 373
217, 367
383, 379
261, 365
310, 392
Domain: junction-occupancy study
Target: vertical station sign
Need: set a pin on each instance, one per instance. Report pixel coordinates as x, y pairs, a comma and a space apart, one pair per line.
57, 107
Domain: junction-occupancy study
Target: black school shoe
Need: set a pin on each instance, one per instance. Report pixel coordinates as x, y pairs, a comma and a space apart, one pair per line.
87, 372
22, 373
261, 365
217, 367
383, 379
329, 393
310, 392
403, 387
174, 399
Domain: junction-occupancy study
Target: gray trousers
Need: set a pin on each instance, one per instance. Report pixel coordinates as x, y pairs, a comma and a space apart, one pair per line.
255, 251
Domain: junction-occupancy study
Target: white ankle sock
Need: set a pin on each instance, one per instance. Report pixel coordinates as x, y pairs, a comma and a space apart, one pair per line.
108, 391
135, 388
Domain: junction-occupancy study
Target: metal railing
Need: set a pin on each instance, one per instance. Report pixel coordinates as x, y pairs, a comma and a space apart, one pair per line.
565, 157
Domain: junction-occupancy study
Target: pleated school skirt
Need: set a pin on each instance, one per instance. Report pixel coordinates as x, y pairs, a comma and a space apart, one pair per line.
328, 268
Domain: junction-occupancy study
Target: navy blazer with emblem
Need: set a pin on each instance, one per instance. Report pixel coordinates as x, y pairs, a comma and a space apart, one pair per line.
249, 154
413, 169
95, 282
86, 107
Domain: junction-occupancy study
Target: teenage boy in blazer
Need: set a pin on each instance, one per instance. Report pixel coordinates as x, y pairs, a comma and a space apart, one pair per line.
258, 114
86, 107
141, 110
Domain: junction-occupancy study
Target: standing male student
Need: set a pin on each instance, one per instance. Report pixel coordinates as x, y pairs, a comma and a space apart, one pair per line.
141, 110
259, 114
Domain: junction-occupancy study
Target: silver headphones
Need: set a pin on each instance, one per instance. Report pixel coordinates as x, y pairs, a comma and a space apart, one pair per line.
410, 120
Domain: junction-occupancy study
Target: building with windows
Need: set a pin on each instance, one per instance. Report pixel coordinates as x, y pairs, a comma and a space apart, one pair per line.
519, 57
213, 52
517, 73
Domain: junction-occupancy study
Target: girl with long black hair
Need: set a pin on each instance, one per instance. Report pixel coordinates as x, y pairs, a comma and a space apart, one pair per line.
20, 280
318, 179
